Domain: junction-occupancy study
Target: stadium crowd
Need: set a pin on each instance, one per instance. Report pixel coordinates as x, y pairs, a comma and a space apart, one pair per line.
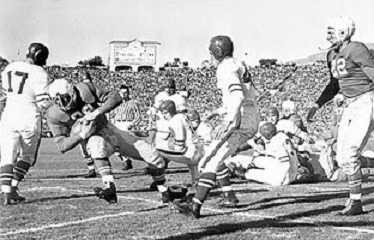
303, 86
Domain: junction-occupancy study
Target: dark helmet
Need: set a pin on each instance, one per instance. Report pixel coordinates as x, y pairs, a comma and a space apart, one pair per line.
272, 111
221, 47
268, 130
193, 115
38, 53
169, 106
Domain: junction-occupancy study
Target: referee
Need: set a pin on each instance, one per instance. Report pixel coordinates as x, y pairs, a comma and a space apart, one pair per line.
126, 117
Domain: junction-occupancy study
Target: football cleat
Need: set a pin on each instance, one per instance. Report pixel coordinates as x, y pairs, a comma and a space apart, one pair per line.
108, 194
177, 192
12, 198
228, 200
127, 165
16, 196
353, 207
165, 197
153, 187
91, 174
187, 208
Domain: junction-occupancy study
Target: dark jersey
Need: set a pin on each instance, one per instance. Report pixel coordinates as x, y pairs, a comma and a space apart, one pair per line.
352, 72
61, 122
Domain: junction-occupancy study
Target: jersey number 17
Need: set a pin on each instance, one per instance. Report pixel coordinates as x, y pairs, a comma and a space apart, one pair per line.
21, 76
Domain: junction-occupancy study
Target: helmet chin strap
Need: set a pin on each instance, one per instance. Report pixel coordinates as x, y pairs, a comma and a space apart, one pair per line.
333, 46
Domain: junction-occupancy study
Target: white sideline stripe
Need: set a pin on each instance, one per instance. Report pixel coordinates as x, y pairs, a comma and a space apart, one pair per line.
64, 224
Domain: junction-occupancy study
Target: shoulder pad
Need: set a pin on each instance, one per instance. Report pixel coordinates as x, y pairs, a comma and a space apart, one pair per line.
86, 93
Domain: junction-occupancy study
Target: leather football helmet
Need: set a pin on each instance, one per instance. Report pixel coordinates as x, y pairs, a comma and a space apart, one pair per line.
38, 53
221, 47
340, 29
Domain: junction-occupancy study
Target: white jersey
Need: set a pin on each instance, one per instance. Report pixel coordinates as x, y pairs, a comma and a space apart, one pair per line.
289, 127
230, 73
276, 147
180, 137
179, 100
26, 87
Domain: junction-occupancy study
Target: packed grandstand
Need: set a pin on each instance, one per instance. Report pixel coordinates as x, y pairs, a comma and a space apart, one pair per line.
304, 86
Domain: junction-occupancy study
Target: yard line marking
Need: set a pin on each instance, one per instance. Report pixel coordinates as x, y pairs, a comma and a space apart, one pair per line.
64, 224
205, 208
356, 229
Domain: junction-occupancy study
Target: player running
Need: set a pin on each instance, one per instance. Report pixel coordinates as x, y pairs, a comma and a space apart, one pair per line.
240, 122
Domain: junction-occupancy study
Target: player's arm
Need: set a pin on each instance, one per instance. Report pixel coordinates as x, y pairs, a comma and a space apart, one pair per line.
329, 92
327, 95
41, 91
109, 100
362, 57
60, 132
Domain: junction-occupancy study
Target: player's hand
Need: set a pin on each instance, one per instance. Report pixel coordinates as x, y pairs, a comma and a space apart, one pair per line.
311, 113
91, 115
88, 128
221, 130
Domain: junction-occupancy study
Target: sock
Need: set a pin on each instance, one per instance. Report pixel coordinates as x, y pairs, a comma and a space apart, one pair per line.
355, 183
158, 175
20, 170
90, 163
206, 183
6, 176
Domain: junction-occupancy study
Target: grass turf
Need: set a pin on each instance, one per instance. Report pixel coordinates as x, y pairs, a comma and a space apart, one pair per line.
61, 205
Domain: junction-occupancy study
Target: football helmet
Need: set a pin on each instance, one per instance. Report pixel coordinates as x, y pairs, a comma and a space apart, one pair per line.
339, 98
168, 106
288, 108
194, 117
38, 53
221, 47
63, 94
272, 115
268, 130
340, 29
272, 111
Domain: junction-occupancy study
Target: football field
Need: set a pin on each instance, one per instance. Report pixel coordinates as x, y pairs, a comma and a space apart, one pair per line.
61, 205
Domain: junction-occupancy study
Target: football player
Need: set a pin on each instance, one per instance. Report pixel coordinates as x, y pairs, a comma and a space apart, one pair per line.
26, 86
352, 72
102, 139
162, 129
278, 165
179, 146
240, 122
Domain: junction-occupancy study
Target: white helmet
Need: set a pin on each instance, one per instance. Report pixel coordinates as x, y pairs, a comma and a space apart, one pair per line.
339, 98
340, 29
288, 108
62, 93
